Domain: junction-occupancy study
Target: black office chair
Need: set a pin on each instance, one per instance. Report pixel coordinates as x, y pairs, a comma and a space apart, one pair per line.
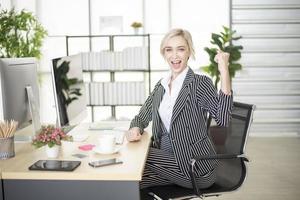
230, 146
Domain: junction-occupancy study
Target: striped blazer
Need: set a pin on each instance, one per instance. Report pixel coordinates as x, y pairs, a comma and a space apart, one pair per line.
188, 132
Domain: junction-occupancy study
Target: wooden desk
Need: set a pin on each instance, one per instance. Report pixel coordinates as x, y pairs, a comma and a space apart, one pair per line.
110, 182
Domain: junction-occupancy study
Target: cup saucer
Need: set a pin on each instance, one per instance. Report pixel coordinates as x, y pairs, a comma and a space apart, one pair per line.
97, 149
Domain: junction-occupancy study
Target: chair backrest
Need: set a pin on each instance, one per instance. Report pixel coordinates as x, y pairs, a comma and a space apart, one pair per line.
232, 140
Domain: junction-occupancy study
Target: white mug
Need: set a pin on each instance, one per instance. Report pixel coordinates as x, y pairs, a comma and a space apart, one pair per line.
107, 143
68, 147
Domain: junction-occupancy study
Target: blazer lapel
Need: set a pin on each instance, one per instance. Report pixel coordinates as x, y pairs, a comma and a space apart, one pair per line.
156, 118
157, 98
183, 94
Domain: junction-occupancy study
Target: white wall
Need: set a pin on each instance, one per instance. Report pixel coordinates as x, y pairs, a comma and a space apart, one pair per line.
5, 4
270, 59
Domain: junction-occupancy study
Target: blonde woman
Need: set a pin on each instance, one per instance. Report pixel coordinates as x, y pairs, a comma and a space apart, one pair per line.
178, 107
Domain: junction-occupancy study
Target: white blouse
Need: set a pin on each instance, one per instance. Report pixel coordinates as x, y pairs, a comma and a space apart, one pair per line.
169, 98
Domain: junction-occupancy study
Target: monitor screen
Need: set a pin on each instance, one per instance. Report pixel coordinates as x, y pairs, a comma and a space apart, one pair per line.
19, 91
69, 90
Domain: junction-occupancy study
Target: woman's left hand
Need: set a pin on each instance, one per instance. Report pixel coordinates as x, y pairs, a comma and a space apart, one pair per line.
222, 58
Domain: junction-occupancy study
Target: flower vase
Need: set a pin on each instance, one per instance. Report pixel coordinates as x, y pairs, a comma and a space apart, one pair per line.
52, 152
136, 31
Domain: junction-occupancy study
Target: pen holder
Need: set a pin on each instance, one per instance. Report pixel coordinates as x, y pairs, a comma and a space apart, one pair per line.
7, 148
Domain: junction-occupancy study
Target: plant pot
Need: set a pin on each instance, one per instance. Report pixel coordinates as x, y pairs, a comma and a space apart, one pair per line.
52, 152
136, 31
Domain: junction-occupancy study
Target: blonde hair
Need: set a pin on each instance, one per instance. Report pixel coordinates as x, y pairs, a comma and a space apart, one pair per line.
178, 32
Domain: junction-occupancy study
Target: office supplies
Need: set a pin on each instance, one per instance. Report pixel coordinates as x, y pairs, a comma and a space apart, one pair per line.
79, 155
55, 165
101, 163
7, 147
86, 147
8, 128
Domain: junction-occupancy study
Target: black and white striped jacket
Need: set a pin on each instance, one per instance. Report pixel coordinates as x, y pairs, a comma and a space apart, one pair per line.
188, 132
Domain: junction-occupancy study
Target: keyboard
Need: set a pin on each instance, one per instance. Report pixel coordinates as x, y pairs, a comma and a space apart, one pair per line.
67, 129
109, 125
98, 126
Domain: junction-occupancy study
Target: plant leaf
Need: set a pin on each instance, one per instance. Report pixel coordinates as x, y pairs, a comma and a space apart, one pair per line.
224, 42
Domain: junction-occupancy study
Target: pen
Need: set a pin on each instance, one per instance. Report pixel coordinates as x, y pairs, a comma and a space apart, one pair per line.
155, 196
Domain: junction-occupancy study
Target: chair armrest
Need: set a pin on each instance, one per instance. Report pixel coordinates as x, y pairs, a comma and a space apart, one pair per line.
221, 156
210, 157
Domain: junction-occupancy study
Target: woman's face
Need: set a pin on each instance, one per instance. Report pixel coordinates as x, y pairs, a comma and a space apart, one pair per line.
176, 53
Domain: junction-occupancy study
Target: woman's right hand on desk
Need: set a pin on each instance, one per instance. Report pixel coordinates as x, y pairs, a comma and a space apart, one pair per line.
133, 134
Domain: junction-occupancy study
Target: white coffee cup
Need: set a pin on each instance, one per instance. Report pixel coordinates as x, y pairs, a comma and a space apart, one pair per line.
107, 143
68, 147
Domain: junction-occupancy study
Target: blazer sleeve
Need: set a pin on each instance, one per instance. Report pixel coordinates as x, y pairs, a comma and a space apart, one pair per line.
144, 116
218, 105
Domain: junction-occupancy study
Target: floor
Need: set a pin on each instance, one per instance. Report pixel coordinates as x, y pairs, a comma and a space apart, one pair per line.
274, 170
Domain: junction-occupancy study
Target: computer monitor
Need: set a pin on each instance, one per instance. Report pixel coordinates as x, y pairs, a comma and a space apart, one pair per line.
69, 90
19, 91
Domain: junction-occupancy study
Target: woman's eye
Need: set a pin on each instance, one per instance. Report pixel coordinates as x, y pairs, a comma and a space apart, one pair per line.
168, 50
181, 49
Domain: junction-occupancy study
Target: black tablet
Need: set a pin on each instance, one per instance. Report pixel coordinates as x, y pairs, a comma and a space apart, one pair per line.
55, 165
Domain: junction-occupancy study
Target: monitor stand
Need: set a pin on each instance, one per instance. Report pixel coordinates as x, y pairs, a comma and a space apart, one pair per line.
35, 116
23, 138
34, 110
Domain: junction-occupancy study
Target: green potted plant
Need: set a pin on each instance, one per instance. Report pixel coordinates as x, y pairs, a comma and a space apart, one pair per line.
51, 137
223, 41
21, 35
136, 26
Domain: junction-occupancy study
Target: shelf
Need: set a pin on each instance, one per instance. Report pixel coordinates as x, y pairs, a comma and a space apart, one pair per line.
266, 6
253, 21
272, 120
113, 62
115, 105
265, 79
269, 36
124, 70
93, 36
278, 106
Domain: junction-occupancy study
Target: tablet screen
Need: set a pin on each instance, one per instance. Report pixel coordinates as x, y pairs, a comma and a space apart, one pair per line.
55, 165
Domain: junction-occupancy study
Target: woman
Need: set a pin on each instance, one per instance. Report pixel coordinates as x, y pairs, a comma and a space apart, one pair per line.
178, 107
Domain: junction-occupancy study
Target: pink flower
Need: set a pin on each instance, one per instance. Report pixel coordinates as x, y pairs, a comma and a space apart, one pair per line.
50, 134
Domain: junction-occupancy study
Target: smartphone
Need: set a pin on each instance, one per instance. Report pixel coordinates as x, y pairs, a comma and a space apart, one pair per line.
101, 163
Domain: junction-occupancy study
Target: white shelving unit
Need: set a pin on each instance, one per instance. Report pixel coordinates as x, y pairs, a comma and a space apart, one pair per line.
111, 61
